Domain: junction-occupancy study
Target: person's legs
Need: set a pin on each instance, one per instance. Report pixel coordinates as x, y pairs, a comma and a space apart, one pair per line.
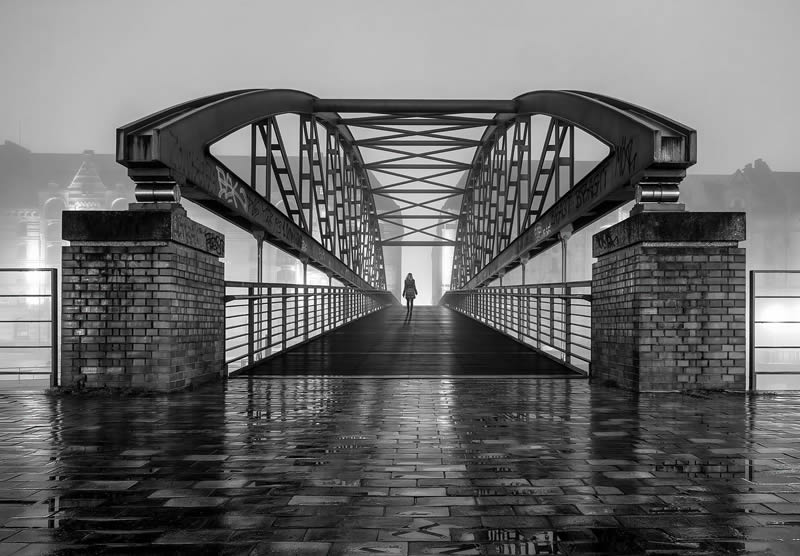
410, 306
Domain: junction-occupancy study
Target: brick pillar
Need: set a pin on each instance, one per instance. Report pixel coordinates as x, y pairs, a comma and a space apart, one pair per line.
668, 302
142, 299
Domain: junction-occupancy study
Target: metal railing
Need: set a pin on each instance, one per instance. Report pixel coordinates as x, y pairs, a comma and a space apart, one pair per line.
774, 329
29, 323
264, 319
555, 318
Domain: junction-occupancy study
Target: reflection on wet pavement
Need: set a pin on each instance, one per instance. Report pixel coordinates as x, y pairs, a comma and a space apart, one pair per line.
371, 466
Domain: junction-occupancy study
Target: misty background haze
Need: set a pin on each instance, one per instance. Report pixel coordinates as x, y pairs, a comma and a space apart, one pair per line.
76, 70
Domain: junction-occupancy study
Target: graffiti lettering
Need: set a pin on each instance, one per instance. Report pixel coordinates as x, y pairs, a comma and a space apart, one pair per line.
215, 243
230, 191
607, 240
626, 157
196, 235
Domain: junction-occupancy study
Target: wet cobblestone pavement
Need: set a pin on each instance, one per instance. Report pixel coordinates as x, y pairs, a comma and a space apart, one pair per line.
426, 466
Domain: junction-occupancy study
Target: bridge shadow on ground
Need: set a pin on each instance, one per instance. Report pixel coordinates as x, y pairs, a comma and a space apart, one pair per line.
435, 342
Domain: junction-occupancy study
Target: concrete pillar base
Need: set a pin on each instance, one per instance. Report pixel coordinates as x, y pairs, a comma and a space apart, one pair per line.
668, 302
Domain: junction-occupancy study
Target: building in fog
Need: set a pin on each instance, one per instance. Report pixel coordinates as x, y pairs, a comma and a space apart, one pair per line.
770, 199
36, 187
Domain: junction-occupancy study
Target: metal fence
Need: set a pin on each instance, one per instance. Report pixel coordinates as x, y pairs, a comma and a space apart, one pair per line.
29, 324
264, 319
553, 318
774, 330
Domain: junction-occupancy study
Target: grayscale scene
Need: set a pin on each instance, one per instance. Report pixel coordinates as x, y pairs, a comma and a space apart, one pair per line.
408, 278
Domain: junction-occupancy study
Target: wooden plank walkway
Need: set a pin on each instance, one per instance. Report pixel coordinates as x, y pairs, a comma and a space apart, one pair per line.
436, 342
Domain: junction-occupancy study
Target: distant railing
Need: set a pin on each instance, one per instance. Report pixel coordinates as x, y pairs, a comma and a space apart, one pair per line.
553, 318
264, 319
29, 323
774, 330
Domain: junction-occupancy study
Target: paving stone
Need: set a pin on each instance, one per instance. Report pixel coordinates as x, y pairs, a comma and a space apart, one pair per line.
207, 471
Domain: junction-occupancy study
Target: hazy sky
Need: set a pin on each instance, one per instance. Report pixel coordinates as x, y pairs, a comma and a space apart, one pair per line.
74, 70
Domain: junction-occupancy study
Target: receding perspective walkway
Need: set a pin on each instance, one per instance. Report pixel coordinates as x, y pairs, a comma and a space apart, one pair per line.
344, 466
436, 341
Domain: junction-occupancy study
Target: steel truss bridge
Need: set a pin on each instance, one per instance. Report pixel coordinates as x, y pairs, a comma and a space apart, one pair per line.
465, 174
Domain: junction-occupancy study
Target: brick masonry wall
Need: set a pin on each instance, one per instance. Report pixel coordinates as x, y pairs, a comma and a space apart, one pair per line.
670, 316
145, 315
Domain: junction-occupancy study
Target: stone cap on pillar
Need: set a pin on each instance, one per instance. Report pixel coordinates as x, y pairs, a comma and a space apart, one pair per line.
671, 227
163, 223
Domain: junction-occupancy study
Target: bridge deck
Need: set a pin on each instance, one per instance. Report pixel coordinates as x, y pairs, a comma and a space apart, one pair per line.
435, 342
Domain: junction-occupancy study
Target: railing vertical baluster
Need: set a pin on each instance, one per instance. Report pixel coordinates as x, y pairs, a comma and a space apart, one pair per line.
752, 330
250, 323
538, 318
316, 309
305, 313
269, 321
568, 325
284, 323
54, 327
552, 317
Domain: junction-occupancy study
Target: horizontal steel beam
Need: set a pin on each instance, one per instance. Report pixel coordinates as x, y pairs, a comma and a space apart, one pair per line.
401, 243
417, 217
452, 166
415, 106
368, 143
408, 122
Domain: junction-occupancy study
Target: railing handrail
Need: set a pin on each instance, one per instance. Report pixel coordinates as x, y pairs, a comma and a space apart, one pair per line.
574, 284
508, 290
54, 345
585, 297
237, 297
240, 284
754, 347
273, 317
549, 321
43, 269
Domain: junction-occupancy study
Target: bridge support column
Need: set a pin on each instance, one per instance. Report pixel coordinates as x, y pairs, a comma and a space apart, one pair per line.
143, 303
668, 302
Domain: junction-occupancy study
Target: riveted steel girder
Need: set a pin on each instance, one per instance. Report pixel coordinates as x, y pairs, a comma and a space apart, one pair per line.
173, 145
643, 146
503, 218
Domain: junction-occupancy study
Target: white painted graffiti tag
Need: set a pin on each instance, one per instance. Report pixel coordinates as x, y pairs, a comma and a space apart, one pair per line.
229, 190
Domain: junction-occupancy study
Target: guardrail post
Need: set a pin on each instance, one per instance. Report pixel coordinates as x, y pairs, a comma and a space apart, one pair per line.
553, 337
305, 312
54, 326
538, 317
284, 326
752, 332
268, 346
251, 307
567, 325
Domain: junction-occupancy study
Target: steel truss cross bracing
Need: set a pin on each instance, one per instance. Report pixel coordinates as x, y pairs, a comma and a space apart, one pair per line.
371, 173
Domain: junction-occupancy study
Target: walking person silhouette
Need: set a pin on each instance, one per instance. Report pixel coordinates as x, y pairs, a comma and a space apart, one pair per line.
410, 292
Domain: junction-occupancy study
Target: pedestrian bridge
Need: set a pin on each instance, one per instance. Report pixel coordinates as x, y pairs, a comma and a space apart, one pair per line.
341, 183
434, 342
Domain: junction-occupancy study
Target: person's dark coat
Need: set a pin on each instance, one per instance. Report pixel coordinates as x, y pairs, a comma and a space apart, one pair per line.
410, 289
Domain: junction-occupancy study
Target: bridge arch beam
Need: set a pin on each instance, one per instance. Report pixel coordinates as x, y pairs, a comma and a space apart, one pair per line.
173, 146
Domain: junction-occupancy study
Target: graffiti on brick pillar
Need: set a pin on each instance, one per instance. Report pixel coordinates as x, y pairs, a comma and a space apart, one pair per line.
230, 190
215, 243
608, 239
196, 235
